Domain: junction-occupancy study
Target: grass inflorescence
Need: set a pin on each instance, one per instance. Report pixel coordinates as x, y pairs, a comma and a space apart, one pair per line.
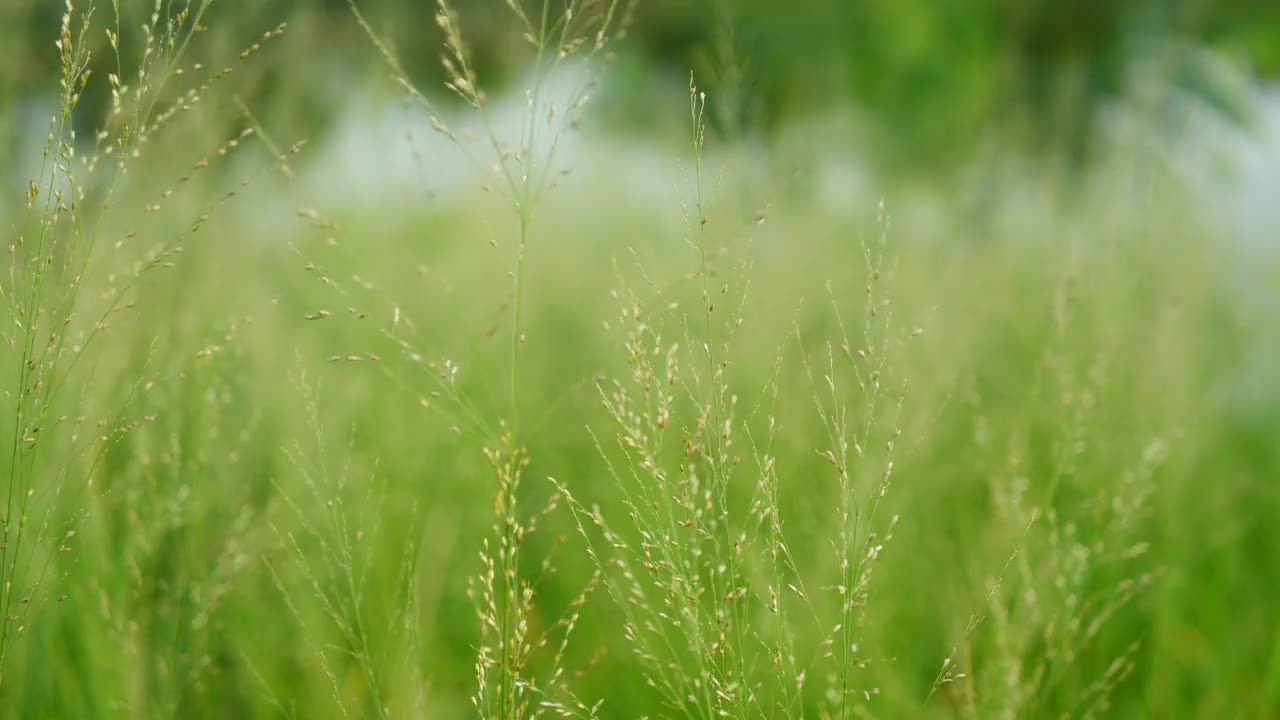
769, 445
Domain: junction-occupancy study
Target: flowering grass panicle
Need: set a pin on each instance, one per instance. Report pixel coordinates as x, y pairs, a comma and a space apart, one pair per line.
523, 169
70, 280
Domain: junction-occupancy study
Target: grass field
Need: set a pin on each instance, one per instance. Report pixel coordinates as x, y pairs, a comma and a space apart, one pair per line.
1000, 445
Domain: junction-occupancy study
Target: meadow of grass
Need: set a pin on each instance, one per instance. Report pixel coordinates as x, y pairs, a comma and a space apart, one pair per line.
541, 447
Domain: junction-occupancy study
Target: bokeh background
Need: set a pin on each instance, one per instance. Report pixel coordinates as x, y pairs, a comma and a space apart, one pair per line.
1076, 203
928, 81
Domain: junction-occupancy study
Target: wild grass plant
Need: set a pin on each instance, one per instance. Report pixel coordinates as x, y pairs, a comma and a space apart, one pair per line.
713, 593
810, 460
88, 237
505, 590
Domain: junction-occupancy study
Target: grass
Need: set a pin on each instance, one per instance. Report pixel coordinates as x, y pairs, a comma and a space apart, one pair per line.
549, 450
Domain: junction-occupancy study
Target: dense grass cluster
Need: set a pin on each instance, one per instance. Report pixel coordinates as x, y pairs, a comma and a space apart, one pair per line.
543, 449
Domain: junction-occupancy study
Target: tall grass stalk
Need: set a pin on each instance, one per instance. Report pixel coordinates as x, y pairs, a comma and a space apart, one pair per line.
51, 265
715, 600
579, 30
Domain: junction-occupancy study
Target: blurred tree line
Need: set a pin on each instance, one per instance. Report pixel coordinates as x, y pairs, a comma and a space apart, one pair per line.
931, 77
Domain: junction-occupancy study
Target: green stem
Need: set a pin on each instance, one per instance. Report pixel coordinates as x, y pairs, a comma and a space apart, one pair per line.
516, 323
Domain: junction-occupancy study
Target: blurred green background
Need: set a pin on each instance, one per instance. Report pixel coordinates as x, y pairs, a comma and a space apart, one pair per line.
1083, 271
932, 79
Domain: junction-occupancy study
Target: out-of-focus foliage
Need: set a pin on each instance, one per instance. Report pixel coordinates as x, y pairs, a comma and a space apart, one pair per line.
932, 79
936, 77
